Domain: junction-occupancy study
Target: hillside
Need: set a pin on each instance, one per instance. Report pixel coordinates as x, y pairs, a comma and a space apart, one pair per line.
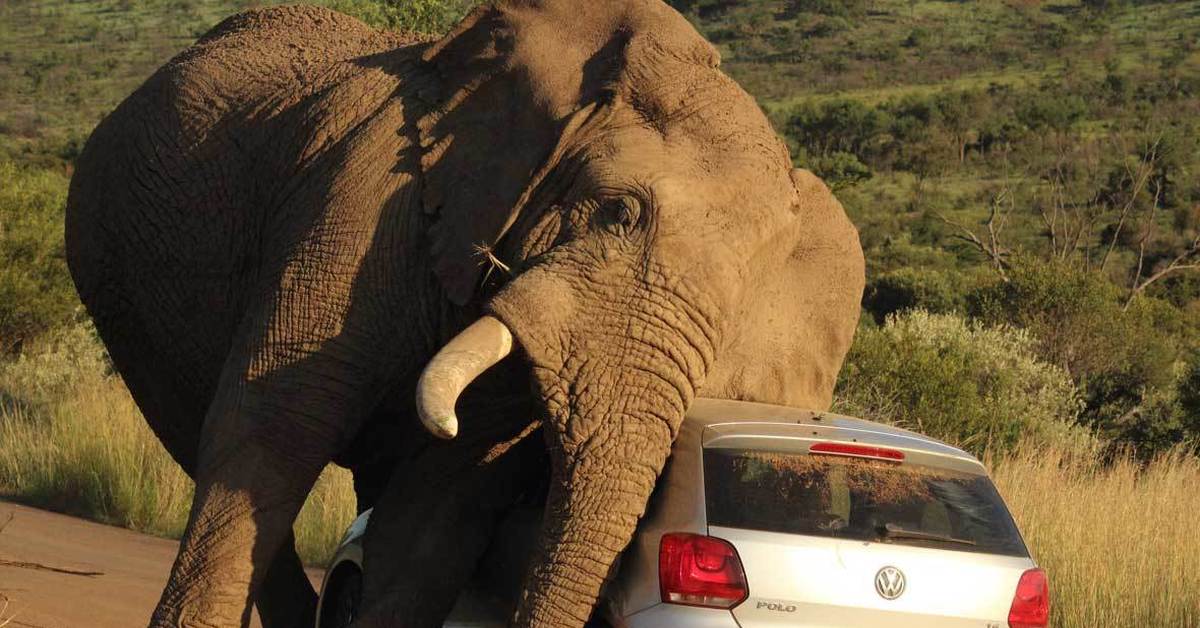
1020, 162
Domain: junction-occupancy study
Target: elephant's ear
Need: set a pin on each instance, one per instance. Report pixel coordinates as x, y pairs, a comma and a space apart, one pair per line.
510, 84
481, 144
797, 317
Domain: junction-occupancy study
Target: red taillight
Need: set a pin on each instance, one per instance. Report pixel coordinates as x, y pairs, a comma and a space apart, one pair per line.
697, 570
857, 451
1031, 604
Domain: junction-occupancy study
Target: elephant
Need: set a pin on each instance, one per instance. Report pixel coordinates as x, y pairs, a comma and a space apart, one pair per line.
302, 239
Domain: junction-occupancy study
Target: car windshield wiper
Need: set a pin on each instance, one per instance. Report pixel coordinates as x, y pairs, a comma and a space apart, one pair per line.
893, 531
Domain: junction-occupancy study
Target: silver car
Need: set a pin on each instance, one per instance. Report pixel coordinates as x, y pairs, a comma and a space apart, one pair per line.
773, 516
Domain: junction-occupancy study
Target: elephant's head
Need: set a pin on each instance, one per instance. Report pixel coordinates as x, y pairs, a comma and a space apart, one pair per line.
625, 211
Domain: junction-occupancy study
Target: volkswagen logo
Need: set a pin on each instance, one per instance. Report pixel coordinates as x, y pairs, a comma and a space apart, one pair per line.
889, 583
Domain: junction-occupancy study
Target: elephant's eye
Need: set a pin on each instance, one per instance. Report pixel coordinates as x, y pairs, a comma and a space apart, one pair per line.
622, 214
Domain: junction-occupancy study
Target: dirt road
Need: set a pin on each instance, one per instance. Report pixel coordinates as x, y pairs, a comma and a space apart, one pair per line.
61, 572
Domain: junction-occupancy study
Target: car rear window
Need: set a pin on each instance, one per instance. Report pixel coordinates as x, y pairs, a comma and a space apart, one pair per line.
859, 499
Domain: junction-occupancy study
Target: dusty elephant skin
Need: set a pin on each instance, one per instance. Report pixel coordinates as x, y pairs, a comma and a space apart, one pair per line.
282, 227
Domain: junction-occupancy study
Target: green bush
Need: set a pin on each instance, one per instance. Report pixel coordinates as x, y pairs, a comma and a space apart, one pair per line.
981, 387
844, 125
72, 440
36, 293
1123, 359
838, 169
840, 8
935, 291
1189, 398
51, 365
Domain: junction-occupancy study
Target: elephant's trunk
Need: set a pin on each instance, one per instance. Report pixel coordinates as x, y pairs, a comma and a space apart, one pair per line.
478, 347
596, 498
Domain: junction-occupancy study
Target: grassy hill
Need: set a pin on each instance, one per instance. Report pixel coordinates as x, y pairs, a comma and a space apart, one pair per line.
960, 135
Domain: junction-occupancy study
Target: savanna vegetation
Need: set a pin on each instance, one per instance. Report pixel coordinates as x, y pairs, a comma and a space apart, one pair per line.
1023, 174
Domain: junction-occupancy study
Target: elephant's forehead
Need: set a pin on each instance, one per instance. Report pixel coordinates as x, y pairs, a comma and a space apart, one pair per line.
683, 172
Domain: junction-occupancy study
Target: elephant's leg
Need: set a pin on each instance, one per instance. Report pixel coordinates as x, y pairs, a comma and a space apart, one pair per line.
174, 408
267, 435
243, 509
286, 598
435, 520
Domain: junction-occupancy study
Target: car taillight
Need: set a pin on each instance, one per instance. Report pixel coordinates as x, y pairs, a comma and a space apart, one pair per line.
697, 570
857, 451
1031, 604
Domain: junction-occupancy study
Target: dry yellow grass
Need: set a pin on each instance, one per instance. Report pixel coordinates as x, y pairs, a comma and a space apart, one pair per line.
90, 453
1119, 542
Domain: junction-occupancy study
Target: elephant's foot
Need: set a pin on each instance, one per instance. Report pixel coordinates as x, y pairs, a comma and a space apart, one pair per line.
175, 611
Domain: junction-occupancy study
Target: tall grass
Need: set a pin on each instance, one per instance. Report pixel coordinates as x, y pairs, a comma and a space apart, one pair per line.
92, 455
1118, 540
72, 440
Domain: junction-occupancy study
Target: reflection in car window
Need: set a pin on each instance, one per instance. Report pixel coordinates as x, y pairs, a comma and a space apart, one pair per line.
860, 499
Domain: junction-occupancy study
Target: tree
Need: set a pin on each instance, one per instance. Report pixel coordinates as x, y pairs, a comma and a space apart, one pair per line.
1122, 359
841, 125
903, 289
1189, 398
838, 169
959, 113
1051, 111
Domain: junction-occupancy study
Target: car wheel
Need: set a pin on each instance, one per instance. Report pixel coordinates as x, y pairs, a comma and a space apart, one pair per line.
344, 605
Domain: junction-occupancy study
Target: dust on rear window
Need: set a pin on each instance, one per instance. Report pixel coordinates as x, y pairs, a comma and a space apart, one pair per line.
859, 499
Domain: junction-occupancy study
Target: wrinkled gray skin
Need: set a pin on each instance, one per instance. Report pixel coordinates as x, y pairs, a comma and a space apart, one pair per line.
281, 227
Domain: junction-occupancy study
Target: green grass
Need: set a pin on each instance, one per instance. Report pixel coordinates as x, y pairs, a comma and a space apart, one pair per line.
64, 65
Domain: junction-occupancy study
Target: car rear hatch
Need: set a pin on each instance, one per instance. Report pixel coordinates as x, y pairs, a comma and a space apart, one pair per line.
845, 527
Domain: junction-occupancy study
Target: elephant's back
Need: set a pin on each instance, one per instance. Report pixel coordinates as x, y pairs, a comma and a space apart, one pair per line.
172, 192
182, 168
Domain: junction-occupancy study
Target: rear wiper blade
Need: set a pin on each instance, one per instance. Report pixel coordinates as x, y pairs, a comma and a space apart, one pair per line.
893, 531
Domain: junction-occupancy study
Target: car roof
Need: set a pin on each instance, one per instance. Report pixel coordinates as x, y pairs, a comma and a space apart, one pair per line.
724, 422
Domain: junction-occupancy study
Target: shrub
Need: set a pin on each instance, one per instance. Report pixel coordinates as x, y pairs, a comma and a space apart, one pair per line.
1123, 359
847, 126
52, 365
917, 38
1048, 111
840, 8
935, 291
1189, 398
36, 293
838, 169
981, 387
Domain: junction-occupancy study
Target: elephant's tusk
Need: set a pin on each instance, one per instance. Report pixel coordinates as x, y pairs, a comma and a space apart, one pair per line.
478, 347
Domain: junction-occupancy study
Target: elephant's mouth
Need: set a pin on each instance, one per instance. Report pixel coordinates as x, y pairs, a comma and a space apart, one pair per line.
484, 343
